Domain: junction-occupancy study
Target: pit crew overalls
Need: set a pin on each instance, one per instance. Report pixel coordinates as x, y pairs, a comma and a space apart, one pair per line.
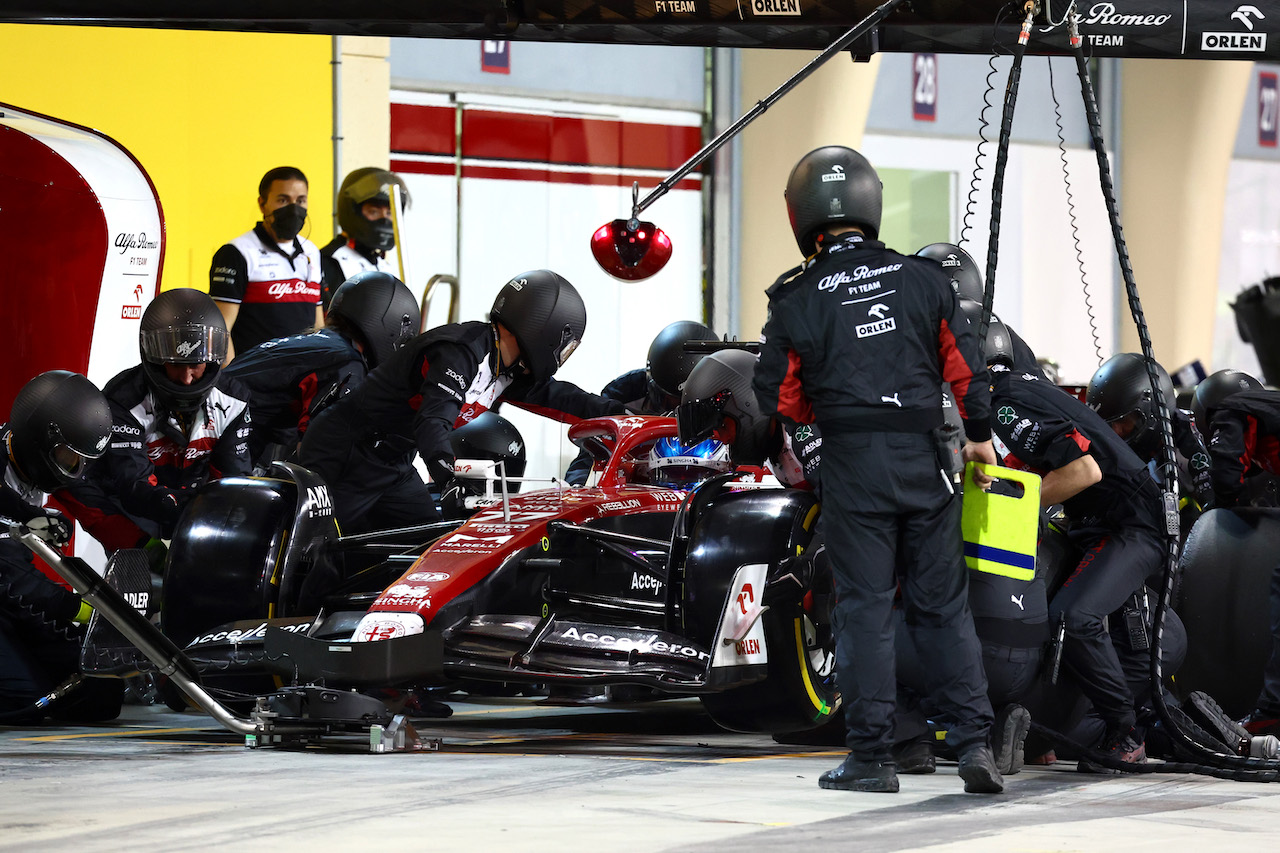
859, 341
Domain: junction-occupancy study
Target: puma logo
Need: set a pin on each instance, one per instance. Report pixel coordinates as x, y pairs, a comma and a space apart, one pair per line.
1017, 599
894, 399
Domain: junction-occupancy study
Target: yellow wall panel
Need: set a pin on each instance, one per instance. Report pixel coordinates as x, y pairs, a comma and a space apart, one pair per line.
205, 113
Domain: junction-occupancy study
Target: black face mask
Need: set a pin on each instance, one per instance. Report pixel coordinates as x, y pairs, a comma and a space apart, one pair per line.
287, 221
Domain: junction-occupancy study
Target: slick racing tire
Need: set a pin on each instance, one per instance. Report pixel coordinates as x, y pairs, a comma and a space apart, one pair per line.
1226, 576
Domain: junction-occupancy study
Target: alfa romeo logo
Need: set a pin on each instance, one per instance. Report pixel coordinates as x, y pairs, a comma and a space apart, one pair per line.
803, 432
1200, 461
1006, 415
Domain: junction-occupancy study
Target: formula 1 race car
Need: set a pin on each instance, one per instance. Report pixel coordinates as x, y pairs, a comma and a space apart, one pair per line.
707, 591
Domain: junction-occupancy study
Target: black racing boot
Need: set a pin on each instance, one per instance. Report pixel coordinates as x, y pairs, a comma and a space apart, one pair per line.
879, 777
1009, 737
1206, 713
979, 772
915, 756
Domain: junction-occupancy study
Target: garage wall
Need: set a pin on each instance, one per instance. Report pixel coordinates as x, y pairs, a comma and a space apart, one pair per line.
206, 114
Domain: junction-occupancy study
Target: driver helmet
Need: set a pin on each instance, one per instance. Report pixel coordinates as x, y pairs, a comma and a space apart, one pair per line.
1121, 389
490, 436
668, 364
365, 185
182, 326
376, 309
1215, 388
832, 186
718, 401
59, 421
547, 316
966, 278
675, 465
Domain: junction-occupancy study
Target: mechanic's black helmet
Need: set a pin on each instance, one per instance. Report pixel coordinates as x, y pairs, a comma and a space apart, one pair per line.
369, 184
718, 397
998, 348
182, 326
1121, 387
547, 317
832, 185
668, 364
59, 421
966, 278
490, 436
380, 309
1215, 388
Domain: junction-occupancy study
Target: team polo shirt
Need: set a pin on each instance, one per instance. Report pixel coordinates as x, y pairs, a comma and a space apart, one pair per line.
277, 290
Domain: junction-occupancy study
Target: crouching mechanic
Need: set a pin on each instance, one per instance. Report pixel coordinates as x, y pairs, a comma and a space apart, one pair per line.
59, 422
364, 445
291, 380
859, 340
1115, 511
1120, 392
655, 389
1241, 420
177, 422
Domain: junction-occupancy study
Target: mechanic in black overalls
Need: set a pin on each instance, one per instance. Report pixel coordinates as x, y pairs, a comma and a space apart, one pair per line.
59, 422
859, 341
293, 379
655, 390
1114, 508
1241, 420
177, 422
1120, 392
364, 215
363, 446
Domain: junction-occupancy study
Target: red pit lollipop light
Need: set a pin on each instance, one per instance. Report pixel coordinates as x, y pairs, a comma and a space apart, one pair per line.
629, 249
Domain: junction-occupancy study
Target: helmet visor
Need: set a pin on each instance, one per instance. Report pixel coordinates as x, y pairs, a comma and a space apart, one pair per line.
68, 461
193, 344
377, 186
698, 419
568, 343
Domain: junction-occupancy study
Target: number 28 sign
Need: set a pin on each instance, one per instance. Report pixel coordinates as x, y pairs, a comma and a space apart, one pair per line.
924, 89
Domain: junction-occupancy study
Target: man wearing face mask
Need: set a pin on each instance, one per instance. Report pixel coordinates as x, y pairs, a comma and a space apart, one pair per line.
364, 215
267, 281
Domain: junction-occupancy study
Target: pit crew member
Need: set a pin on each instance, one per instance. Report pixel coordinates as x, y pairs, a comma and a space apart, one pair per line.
293, 379
859, 340
363, 445
267, 281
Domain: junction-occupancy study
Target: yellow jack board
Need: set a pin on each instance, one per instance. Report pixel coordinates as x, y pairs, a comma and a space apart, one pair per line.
1000, 530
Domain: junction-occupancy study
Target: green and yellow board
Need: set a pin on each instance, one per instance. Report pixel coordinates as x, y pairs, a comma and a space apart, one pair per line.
1000, 530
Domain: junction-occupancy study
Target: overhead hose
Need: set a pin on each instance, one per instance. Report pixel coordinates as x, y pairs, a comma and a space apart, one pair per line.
1215, 763
1002, 158
971, 197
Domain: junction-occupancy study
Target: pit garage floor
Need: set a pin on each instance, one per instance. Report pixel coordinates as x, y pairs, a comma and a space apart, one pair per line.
514, 775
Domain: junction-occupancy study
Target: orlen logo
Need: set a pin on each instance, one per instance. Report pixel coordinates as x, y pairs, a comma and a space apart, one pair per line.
775, 7
131, 312
517, 283
836, 174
